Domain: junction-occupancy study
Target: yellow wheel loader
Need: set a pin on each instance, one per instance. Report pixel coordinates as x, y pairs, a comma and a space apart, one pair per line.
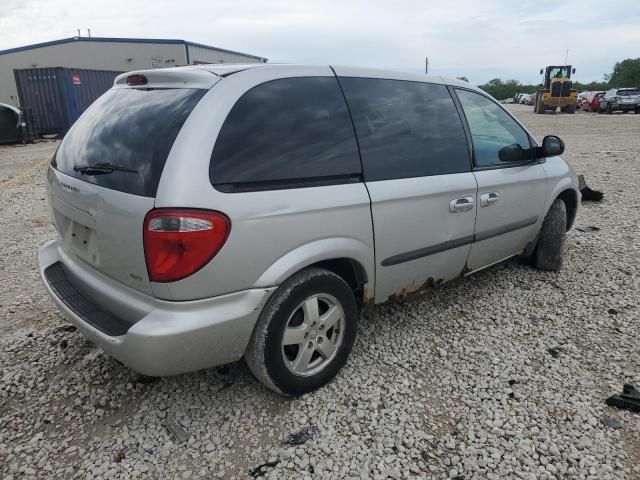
555, 91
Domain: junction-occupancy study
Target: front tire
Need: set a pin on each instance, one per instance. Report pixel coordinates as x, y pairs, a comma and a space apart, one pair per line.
304, 334
550, 247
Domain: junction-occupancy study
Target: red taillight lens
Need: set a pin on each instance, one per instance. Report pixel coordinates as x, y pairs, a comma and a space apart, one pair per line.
136, 79
178, 243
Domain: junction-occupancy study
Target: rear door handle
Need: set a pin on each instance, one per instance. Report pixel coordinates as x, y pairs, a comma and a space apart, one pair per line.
487, 199
461, 204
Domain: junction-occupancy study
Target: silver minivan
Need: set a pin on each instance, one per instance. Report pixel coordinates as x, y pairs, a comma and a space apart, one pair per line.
215, 212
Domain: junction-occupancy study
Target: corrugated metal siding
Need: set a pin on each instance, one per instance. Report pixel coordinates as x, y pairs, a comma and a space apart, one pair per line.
210, 55
55, 100
40, 90
93, 83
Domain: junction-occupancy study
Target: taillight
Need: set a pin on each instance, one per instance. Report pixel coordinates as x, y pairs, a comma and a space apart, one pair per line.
179, 242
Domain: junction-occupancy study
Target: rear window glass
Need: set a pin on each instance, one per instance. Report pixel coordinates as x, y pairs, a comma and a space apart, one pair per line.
286, 133
8, 118
628, 93
130, 128
406, 129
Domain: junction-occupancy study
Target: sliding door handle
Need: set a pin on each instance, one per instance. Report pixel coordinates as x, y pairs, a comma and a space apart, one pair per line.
463, 204
487, 199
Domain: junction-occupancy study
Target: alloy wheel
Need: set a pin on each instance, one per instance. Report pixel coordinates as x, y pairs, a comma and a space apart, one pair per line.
313, 334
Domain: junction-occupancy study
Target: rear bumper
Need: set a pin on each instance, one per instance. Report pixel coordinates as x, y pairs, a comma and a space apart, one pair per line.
154, 337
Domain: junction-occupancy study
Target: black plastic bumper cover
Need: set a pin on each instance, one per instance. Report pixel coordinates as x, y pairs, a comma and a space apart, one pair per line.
86, 309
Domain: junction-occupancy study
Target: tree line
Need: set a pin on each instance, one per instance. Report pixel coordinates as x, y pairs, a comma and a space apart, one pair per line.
624, 74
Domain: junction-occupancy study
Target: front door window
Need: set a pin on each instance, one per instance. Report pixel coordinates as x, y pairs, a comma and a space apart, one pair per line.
498, 140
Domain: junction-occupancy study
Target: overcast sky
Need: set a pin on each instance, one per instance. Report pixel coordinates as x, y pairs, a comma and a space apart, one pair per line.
480, 39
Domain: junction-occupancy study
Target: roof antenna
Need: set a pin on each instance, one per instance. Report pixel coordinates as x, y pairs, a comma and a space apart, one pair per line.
555, 127
426, 65
79, 33
89, 32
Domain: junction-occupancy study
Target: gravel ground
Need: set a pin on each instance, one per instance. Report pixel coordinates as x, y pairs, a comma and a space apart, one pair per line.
500, 375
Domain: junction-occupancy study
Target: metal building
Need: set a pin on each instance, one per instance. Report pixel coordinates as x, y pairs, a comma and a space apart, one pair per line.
117, 54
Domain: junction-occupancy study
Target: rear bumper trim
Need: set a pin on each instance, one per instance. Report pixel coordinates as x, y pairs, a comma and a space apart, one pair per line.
90, 312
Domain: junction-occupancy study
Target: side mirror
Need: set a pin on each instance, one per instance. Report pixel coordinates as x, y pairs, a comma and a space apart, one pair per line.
513, 154
552, 146
573, 70
541, 71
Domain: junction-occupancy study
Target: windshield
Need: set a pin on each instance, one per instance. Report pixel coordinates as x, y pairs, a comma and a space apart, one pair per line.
628, 93
557, 72
133, 129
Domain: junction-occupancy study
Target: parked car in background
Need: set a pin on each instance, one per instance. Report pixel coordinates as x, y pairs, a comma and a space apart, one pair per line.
13, 125
591, 103
620, 99
507, 100
210, 213
525, 98
581, 96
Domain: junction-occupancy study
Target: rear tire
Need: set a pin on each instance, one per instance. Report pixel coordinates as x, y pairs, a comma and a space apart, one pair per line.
550, 247
300, 312
570, 109
609, 111
539, 106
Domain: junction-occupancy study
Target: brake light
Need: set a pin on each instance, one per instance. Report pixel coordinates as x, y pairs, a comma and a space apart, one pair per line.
179, 242
136, 79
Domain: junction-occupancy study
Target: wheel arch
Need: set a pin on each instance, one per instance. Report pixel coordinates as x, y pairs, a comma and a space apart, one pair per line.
570, 199
352, 272
350, 259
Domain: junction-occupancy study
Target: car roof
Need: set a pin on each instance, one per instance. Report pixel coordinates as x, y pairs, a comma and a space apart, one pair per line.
223, 70
204, 75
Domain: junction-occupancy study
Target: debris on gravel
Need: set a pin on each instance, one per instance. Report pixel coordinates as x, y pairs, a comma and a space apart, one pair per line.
588, 195
298, 438
458, 385
262, 470
611, 423
587, 229
177, 430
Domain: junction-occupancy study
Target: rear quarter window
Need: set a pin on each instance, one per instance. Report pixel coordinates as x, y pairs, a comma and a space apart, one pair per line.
132, 128
286, 133
406, 129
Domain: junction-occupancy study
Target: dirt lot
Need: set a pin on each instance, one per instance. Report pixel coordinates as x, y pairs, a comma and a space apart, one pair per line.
501, 375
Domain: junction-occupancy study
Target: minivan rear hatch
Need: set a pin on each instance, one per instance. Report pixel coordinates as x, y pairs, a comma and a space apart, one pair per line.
104, 177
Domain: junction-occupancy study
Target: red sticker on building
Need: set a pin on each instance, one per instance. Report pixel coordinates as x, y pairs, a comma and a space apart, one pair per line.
76, 79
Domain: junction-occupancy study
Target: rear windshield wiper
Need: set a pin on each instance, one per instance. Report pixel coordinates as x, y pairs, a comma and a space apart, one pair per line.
102, 168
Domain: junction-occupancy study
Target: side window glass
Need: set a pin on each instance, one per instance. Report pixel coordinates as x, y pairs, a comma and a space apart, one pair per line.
497, 139
293, 131
406, 129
